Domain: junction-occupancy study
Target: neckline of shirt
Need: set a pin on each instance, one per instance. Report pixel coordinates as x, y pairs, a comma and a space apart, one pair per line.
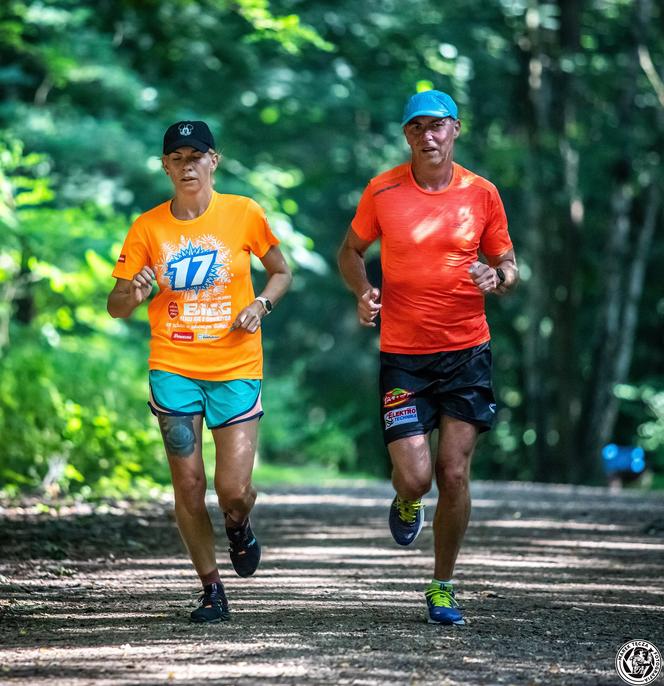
208, 209
455, 173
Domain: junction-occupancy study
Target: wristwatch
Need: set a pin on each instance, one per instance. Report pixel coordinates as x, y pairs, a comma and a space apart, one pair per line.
267, 305
501, 276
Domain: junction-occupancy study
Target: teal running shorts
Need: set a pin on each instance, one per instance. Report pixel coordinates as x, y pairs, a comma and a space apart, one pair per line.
223, 403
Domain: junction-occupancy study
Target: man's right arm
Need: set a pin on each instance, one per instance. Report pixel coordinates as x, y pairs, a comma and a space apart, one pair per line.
127, 295
354, 273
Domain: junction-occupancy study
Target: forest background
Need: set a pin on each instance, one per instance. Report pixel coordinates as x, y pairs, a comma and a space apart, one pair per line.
562, 106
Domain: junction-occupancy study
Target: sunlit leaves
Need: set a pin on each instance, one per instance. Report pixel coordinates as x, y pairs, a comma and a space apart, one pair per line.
287, 31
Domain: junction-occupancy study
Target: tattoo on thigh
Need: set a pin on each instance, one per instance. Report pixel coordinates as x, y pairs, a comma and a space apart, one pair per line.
179, 435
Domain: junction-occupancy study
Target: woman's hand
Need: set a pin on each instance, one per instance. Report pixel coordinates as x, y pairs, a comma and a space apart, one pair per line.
249, 319
141, 285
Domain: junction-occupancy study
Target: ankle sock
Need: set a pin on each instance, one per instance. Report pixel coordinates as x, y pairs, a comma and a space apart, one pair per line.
441, 581
210, 578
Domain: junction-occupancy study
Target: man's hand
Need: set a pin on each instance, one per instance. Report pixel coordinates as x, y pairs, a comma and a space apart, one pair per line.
484, 276
141, 285
368, 307
249, 319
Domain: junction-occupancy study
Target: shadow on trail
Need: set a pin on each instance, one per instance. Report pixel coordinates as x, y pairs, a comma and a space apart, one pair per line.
554, 580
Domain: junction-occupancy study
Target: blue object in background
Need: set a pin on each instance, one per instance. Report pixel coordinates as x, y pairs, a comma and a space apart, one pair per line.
625, 459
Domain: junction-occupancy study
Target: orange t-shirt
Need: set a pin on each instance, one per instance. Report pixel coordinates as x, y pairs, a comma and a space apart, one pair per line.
203, 271
429, 239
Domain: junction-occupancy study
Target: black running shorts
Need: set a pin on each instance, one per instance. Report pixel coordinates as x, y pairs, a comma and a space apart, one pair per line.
417, 389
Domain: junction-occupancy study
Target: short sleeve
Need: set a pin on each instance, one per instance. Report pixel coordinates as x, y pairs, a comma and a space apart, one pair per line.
365, 222
495, 238
134, 254
259, 235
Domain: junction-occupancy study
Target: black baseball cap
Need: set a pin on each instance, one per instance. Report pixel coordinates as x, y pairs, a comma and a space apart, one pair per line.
194, 134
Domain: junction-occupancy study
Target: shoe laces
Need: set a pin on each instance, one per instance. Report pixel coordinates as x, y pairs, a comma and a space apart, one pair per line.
240, 544
440, 595
408, 509
211, 596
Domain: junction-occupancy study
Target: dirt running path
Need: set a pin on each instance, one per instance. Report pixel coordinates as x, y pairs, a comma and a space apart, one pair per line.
554, 580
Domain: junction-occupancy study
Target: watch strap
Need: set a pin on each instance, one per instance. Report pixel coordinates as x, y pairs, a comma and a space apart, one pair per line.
267, 305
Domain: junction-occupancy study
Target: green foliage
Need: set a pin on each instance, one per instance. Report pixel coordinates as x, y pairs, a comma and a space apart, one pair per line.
78, 412
72, 410
299, 431
288, 30
304, 98
649, 423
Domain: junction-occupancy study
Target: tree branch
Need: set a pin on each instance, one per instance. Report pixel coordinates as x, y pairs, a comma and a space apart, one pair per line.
651, 73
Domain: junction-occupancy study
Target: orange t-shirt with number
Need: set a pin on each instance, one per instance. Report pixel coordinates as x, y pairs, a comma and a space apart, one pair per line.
429, 239
202, 267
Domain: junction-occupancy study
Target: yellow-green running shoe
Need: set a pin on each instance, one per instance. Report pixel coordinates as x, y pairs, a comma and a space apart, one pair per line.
406, 520
442, 605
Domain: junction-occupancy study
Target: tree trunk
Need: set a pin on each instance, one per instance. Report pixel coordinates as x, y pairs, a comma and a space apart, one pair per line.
536, 342
619, 329
570, 218
625, 273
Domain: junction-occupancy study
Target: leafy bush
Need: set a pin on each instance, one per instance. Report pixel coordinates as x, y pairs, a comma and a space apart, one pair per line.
75, 419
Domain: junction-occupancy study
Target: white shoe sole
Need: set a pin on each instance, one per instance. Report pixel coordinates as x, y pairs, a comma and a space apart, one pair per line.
460, 622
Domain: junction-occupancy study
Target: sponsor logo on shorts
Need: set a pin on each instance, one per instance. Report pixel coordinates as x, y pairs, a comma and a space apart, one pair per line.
207, 337
397, 396
182, 336
122, 258
492, 407
405, 415
173, 310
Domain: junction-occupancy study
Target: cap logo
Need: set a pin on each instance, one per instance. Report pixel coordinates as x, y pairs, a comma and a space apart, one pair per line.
185, 129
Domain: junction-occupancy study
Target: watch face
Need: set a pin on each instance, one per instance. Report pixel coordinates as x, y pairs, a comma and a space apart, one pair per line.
501, 275
268, 305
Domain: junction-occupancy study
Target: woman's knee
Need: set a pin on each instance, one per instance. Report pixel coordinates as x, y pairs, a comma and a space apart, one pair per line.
190, 492
235, 496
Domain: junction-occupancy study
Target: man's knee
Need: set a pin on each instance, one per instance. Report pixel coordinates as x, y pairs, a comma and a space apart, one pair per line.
452, 478
411, 466
179, 435
418, 488
410, 483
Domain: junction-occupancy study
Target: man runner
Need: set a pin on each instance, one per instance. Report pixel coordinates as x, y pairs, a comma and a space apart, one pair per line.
433, 218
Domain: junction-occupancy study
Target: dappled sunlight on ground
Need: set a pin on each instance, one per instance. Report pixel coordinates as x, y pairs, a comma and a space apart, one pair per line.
553, 580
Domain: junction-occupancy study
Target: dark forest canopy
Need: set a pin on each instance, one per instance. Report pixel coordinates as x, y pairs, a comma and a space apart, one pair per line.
562, 106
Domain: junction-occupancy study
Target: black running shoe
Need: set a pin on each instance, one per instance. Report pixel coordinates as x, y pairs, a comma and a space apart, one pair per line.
213, 606
244, 549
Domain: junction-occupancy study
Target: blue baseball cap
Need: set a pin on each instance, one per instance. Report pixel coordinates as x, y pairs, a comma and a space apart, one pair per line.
430, 104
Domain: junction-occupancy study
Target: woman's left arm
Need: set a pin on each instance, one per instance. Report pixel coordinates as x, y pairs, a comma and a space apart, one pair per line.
280, 277
278, 282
